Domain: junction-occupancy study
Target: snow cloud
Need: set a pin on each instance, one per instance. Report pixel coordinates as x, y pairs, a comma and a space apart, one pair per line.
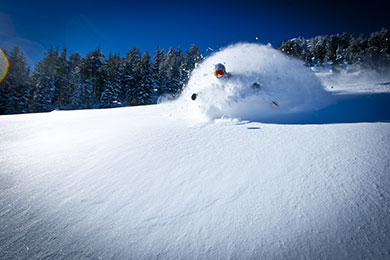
282, 80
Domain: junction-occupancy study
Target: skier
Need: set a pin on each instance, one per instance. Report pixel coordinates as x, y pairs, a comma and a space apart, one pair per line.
220, 73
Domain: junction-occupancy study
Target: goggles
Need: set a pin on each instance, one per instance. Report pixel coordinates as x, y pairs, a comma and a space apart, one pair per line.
219, 73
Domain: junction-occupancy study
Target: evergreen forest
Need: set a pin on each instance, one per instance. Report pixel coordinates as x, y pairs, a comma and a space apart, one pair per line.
68, 81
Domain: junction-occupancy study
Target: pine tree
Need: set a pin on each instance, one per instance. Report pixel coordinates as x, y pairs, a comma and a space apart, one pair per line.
131, 76
179, 65
44, 79
15, 89
63, 75
353, 51
92, 72
157, 72
112, 83
76, 86
190, 61
44, 93
145, 87
378, 51
319, 50
172, 83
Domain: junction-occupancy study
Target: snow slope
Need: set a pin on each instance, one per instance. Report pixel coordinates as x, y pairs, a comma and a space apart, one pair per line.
154, 182
144, 183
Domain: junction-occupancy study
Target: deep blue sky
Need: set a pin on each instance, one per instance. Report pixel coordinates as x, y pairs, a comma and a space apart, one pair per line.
117, 26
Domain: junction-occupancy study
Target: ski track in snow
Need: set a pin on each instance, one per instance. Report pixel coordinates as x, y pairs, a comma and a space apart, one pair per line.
144, 183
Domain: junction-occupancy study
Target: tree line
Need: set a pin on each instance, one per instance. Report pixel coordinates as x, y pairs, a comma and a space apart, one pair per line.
371, 52
62, 81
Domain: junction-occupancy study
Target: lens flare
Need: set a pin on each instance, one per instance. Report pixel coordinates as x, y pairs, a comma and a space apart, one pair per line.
4, 65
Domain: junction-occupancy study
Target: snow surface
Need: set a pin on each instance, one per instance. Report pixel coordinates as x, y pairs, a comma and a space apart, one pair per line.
154, 182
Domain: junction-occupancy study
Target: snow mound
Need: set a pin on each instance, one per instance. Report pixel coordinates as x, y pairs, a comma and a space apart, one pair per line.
282, 80
354, 79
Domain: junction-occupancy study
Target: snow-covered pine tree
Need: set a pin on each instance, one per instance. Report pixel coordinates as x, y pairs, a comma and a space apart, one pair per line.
330, 54
319, 50
63, 75
76, 98
44, 93
191, 58
157, 72
145, 87
378, 50
131, 68
112, 83
44, 79
340, 49
76, 85
361, 56
179, 65
170, 68
15, 89
92, 72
